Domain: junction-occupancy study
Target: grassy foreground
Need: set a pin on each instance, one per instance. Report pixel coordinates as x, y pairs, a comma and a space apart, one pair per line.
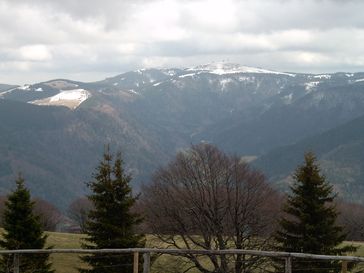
65, 263
68, 263
359, 245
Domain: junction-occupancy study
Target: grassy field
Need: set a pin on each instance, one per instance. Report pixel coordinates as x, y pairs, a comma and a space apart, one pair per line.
68, 263
359, 251
65, 263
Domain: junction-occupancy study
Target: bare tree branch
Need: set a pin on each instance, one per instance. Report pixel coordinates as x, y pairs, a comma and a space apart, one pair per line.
205, 199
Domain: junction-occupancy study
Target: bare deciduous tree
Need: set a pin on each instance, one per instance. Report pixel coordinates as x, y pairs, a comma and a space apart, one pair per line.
78, 211
351, 217
205, 199
2, 207
49, 215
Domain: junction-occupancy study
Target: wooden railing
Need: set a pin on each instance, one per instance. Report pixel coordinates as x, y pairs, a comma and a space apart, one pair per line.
146, 252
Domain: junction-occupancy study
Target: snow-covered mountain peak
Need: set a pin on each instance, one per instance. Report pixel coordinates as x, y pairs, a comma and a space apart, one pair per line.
222, 68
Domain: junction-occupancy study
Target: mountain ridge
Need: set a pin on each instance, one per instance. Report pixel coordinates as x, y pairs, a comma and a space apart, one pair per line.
150, 114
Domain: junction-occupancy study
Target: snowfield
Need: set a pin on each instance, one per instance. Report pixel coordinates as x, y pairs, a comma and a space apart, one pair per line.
311, 85
76, 94
323, 76
222, 68
69, 98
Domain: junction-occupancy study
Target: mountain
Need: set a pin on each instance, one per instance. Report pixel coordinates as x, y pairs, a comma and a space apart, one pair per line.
4, 87
340, 155
54, 132
56, 149
304, 106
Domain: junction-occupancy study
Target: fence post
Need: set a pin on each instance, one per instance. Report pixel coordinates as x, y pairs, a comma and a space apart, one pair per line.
288, 265
344, 266
136, 262
16, 263
146, 263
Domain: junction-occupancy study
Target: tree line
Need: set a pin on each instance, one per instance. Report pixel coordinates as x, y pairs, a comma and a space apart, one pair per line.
203, 199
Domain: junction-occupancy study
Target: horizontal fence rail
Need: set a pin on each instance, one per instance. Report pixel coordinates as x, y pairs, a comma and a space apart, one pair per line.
287, 256
188, 251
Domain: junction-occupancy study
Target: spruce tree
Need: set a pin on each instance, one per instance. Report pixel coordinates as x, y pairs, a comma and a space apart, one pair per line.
309, 225
111, 223
22, 230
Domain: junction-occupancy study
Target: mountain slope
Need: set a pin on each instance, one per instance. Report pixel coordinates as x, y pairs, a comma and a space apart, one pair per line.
339, 151
306, 113
55, 131
4, 87
57, 149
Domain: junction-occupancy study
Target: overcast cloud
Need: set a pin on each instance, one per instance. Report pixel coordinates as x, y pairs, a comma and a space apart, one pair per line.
89, 40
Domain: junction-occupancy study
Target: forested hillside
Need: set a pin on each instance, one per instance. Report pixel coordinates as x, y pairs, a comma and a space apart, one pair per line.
54, 132
340, 154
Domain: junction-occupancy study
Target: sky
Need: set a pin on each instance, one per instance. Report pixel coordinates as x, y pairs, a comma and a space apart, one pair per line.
89, 40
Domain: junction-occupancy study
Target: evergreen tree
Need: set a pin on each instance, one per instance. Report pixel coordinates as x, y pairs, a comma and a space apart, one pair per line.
310, 222
111, 223
22, 230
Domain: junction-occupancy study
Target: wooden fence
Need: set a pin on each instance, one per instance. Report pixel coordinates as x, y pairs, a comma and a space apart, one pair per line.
146, 252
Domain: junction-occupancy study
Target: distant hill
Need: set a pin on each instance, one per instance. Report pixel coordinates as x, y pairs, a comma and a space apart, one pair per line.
4, 87
340, 153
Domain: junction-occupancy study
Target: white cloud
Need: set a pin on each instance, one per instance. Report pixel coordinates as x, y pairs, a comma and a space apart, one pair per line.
212, 15
37, 53
80, 38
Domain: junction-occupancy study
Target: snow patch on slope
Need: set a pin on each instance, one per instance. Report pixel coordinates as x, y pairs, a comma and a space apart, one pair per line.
187, 75
169, 72
288, 98
311, 85
224, 83
77, 94
25, 87
69, 98
246, 79
229, 68
7, 91
323, 76
132, 91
